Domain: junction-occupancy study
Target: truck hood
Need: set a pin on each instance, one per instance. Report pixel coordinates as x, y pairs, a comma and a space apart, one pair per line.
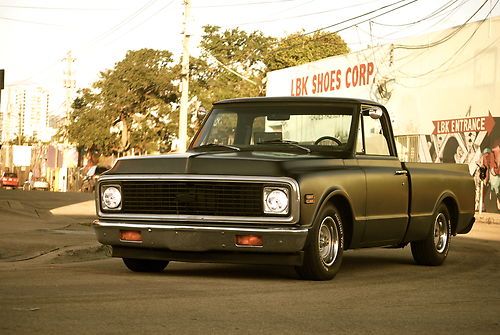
252, 163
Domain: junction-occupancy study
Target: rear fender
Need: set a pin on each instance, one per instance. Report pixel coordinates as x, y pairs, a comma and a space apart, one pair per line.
450, 201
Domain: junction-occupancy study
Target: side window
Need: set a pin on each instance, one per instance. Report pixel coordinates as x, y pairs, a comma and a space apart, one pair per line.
375, 142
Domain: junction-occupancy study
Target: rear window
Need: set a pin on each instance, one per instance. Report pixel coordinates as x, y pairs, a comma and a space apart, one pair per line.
10, 175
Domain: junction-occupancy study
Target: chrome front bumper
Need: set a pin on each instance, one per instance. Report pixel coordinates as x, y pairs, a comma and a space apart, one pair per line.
197, 238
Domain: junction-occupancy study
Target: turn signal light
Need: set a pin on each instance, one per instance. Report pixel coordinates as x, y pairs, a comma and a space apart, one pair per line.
249, 240
130, 235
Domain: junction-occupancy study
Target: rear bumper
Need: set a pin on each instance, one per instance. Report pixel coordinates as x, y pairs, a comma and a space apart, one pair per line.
9, 185
196, 241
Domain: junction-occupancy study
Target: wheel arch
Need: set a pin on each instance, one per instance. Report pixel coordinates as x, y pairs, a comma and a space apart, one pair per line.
341, 201
452, 205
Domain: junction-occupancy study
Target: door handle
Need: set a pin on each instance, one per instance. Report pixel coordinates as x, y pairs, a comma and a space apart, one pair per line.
401, 172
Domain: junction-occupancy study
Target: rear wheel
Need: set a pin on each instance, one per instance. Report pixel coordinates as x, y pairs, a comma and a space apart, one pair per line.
145, 265
434, 249
325, 247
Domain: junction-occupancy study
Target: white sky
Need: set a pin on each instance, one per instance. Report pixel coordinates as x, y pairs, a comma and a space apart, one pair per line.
35, 35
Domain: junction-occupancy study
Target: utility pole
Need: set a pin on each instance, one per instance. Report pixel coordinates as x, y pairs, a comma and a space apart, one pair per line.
184, 107
69, 83
2, 75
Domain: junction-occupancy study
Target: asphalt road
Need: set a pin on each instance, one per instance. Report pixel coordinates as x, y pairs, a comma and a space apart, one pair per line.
55, 279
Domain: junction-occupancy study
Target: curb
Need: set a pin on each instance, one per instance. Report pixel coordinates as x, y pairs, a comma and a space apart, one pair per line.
488, 218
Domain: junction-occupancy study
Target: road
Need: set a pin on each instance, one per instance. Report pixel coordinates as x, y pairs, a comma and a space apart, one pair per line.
55, 279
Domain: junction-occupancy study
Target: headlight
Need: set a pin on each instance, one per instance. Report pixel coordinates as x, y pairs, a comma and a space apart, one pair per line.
276, 200
111, 197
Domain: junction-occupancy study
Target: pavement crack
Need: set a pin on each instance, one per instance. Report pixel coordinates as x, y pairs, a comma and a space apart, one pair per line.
26, 309
34, 256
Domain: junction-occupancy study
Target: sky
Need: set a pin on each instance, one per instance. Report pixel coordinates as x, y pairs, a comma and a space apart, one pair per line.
36, 35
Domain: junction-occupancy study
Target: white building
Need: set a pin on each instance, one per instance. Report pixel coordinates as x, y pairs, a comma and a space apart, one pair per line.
25, 113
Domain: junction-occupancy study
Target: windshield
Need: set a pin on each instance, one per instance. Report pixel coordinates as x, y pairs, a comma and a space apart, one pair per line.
306, 127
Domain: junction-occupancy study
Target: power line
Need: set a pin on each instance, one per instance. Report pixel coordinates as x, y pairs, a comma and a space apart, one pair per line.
97, 39
31, 22
482, 51
459, 49
446, 38
435, 24
54, 8
435, 13
122, 23
447, 15
307, 14
143, 21
231, 70
439, 12
365, 14
345, 21
244, 4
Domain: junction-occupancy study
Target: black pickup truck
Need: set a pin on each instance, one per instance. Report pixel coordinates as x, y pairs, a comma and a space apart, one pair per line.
290, 181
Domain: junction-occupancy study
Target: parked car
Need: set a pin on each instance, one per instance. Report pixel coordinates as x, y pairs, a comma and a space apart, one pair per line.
292, 181
40, 183
9, 180
89, 181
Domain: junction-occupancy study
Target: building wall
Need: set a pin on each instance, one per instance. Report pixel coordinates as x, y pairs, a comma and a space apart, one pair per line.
26, 113
442, 91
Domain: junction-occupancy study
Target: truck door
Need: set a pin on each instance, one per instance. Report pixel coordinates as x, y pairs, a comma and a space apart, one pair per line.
387, 188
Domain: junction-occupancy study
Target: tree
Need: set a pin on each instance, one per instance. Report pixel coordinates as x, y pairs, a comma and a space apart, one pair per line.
234, 63
129, 107
230, 64
88, 126
134, 105
138, 92
298, 48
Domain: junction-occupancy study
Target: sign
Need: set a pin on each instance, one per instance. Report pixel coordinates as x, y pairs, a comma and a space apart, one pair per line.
333, 79
473, 124
21, 155
351, 75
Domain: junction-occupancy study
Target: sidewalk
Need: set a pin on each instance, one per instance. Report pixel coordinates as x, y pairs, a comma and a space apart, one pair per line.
81, 209
488, 218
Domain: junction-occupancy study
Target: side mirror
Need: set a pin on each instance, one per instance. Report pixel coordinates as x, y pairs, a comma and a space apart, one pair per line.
375, 113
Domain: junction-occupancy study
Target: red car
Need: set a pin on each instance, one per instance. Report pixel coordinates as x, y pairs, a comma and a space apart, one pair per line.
9, 180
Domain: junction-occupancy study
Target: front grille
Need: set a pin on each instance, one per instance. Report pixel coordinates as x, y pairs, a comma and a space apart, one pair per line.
192, 198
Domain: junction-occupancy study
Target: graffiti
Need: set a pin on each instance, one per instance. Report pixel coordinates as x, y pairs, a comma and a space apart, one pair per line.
480, 148
474, 141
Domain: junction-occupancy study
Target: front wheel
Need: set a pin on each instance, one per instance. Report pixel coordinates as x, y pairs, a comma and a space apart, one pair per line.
325, 247
145, 265
434, 249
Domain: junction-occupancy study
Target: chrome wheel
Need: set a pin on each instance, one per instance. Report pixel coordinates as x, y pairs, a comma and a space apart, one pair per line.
324, 247
328, 241
441, 227
433, 250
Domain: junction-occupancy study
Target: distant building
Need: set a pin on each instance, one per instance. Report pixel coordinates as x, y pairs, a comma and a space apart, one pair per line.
25, 114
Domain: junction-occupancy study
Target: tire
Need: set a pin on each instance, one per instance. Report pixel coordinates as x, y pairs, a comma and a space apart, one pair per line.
145, 265
324, 248
434, 249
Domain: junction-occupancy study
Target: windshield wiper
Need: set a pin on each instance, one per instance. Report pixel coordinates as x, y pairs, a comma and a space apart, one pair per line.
287, 142
215, 145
